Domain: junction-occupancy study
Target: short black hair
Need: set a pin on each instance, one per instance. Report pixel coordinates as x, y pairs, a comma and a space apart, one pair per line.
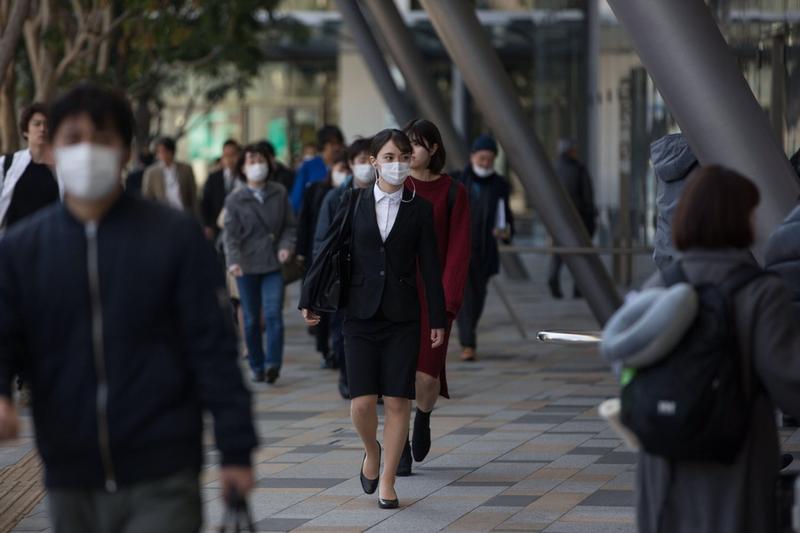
426, 133
267, 146
715, 210
231, 142
105, 107
357, 147
27, 115
390, 134
256, 148
327, 134
168, 143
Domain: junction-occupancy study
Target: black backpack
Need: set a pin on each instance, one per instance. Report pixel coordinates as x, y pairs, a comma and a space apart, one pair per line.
695, 404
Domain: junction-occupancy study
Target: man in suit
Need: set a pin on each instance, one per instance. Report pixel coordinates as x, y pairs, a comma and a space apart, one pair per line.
217, 187
133, 181
170, 182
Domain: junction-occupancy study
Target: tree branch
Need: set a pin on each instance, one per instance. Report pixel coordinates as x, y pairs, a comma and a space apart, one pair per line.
12, 33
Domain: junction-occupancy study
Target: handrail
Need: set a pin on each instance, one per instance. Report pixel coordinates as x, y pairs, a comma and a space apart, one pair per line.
571, 339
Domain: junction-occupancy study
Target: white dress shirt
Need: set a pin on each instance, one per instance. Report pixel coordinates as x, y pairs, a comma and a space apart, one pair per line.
386, 208
172, 187
227, 177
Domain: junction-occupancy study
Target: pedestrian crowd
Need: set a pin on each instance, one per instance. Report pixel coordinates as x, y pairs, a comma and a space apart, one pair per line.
129, 294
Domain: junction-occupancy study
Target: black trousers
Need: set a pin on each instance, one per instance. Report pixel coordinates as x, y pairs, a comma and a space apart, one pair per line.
472, 308
554, 272
322, 334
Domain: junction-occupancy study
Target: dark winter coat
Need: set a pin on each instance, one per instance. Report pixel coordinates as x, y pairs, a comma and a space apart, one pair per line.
122, 331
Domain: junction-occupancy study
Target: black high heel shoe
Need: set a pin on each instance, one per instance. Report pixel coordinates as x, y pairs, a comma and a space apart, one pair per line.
370, 485
388, 504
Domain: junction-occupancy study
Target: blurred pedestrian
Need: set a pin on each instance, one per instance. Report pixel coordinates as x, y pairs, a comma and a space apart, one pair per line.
27, 183
491, 220
170, 182
133, 181
452, 229
362, 176
578, 183
712, 230
110, 305
217, 187
306, 228
259, 237
390, 237
282, 174
330, 143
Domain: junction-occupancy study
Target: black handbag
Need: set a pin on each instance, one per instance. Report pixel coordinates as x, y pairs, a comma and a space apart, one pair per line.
237, 517
330, 273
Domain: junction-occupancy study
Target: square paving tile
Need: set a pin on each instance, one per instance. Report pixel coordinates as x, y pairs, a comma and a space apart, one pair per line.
611, 498
299, 483
511, 501
279, 524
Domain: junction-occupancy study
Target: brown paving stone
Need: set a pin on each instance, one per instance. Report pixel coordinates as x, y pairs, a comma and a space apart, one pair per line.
481, 519
554, 473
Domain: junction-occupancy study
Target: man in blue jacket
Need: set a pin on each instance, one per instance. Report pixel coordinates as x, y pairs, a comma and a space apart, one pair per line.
113, 308
330, 143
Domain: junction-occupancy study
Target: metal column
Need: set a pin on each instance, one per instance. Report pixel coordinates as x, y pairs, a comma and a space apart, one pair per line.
491, 88
777, 107
700, 80
400, 41
376, 63
592, 105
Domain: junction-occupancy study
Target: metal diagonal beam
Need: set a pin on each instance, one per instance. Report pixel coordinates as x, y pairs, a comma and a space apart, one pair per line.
400, 42
695, 71
469, 47
376, 63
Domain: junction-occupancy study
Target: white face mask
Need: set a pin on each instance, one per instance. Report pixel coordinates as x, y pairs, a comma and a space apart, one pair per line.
364, 174
256, 172
482, 172
88, 171
394, 173
338, 178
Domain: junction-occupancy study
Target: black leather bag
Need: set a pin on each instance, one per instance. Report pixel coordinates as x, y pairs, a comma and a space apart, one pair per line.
329, 274
237, 518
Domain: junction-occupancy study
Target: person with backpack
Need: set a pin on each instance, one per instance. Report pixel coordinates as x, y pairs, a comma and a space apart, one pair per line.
452, 228
715, 466
27, 182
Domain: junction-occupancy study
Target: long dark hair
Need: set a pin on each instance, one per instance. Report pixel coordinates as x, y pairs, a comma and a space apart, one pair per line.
426, 133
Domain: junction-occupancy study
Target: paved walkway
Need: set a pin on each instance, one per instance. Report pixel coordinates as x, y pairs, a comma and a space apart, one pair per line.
518, 448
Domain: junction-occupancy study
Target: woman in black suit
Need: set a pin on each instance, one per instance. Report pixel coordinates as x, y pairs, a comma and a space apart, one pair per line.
392, 233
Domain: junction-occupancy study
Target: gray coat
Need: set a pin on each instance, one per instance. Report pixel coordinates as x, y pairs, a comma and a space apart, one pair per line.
738, 498
672, 160
782, 254
255, 231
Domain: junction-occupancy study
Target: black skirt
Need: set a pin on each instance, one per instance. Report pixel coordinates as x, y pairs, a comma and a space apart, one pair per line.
381, 357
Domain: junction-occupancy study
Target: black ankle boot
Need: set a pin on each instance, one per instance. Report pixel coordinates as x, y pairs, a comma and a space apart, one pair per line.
421, 440
404, 468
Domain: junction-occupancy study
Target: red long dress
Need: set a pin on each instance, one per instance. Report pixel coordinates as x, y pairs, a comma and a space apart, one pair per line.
453, 241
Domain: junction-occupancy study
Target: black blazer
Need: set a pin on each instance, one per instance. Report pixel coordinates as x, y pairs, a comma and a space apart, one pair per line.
384, 275
213, 200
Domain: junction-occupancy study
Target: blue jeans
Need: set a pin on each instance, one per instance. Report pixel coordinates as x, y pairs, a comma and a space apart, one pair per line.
257, 292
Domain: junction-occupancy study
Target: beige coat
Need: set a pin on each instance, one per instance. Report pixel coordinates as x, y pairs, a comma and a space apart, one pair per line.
739, 498
154, 186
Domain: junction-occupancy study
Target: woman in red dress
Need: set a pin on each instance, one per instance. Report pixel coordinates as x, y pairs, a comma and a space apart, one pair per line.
452, 227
